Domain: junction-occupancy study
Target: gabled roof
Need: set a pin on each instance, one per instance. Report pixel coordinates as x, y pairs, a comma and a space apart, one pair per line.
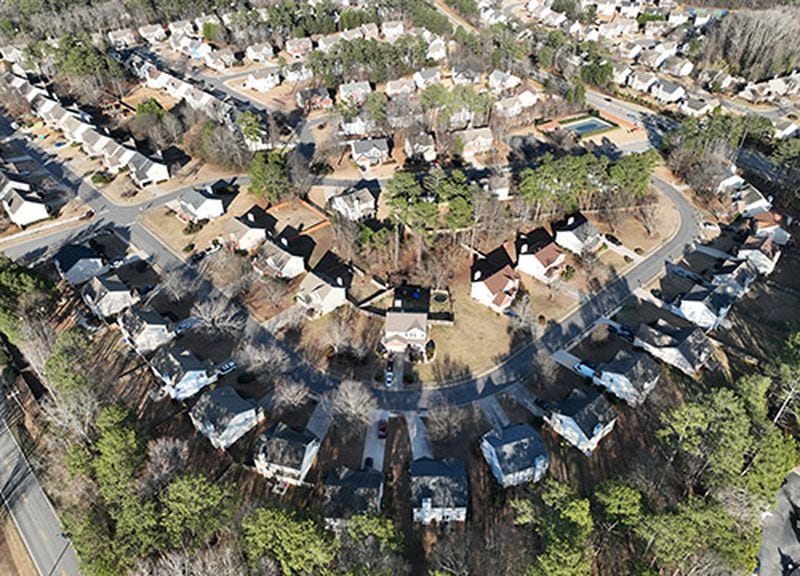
220, 406
134, 320
540, 244
517, 447
284, 446
349, 492
715, 299
578, 225
640, 369
70, 254
588, 410
175, 362
444, 482
360, 147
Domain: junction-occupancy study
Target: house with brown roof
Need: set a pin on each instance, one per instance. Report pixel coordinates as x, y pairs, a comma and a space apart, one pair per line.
771, 224
539, 256
761, 252
405, 331
494, 281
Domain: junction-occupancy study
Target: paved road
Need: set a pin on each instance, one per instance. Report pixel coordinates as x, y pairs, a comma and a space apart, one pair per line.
32, 512
780, 547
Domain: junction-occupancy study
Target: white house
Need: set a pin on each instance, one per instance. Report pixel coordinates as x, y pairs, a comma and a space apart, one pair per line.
77, 263
516, 455
286, 455
184, 27
392, 30
354, 204
121, 39
223, 416
696, 107
771, 224
761, 252
439, 491
735, 276
629, 376
420, 145
298, 47
474, 141
298, 72
583, 419
276, 259
369, 152
259, 52
748, 201
107, 296
182, 374
354, 93
400, 87
144, 330
641, 81
667, 92
405, 330
146, 171
785, 129
197, 205
320, 296
687, 349
538, 256
24, 208
705, 307
263, 79
500, 81
437, 50
621, 73
220, 60
677, 66
494, 281
576, 234
426, 77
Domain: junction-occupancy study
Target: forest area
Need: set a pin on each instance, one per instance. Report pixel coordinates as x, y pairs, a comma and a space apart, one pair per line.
756, 44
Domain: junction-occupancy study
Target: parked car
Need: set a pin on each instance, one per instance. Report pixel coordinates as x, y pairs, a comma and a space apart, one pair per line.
216, 247
197, 257
389, 379
116, 263
613, 240
383, 426
622, 331
186, 325
584, 369
227, 367
368, 463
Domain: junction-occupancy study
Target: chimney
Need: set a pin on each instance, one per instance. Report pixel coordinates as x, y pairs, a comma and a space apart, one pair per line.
570, 220
476, 276
251, 217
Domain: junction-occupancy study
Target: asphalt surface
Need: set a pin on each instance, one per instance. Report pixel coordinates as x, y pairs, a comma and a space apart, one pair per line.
33, 513
780, 547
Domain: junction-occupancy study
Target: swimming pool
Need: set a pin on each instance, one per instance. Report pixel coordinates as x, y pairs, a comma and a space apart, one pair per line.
586, 126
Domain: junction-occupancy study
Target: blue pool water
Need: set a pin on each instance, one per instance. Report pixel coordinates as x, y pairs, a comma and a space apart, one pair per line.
587, 126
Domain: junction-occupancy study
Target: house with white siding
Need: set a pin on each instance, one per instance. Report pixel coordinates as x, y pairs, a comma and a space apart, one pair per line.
223, 416
181, 373
583, 419
515, 454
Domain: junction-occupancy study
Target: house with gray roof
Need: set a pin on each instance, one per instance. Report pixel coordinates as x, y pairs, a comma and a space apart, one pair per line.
515, 454
182, 374
667, 92
687, 349
735, 275
576, 234
77, 263
354, 93
439, 491
583, 419
276, 259
24, 208
195, 205
704, 306
420, 145
145, 330
145, 171
354, 204
107, 296
348, 493
286, 455
153, 33
369, 152
426, 77
630, 376
223, 416
761, 252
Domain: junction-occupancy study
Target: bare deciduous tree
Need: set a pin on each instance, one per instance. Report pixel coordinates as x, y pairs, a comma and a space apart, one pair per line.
290, 394
263, 357
445, 421
353, 405
219, 315
167, 457
73, 412
545, 367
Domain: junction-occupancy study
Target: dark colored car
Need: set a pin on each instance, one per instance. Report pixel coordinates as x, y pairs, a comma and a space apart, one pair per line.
613, 240
383, 426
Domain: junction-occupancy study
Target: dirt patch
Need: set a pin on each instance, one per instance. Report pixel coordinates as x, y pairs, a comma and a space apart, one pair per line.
14, 558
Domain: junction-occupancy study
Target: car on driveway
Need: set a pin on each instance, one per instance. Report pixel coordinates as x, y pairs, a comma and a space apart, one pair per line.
186, 325
584, 369
227, 367
197, 257
389, 379
611, 239
383, 427
622, 331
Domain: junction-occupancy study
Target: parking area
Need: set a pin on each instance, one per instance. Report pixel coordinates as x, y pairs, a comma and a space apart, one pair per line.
375, 440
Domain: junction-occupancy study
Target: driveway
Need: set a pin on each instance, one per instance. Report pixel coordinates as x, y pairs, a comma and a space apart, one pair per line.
375, 447
493, 412
418, 434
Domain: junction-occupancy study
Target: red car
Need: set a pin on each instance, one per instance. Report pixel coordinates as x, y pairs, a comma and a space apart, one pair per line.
383, 425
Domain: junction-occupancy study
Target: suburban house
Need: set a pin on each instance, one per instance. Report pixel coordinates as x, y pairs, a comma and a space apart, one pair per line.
24, 208
583, 419
77, 263
667, 92
771, 224
494, 281
121, 39
195, 205
314, 99
677, 66
369, 152
641, 80
248, 231
286, 455
705, 307
516, 455
223, 416
153, 33
405, 331
145, 330
748, 201
630, 376
420, 145
687, 349
276, 259
621, 73
426, 77
319, 296
181, 372
785, 129
539, 257
145, 171
354, 204
259, 52
357, 125
298, 47
263, 79
297, 72
107, 296
354, 93
474, 141
181, 27
439, 491
500, 81
734, 275
465, 75
220, 60
513, 106
399, 87
392, 30
697, 107
761, 252
576, 234
437, 50
348, 493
